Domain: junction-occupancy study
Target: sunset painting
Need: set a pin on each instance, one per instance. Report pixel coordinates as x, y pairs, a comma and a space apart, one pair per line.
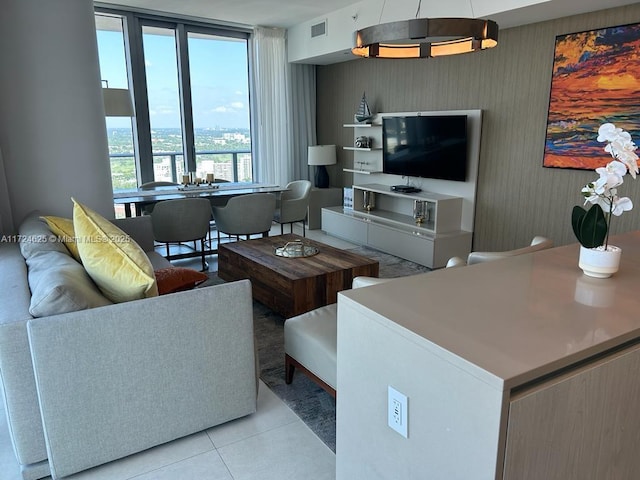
596, 79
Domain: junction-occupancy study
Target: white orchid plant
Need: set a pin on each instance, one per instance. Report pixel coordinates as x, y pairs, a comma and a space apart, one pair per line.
591, 227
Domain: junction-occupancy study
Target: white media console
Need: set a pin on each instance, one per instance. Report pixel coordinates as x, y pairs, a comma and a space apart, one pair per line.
389, 226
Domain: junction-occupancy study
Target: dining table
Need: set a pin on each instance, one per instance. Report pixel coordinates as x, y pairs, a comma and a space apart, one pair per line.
139, 198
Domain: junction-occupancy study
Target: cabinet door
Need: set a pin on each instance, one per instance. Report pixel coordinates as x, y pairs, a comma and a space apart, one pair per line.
582, 426
344, 226
416, 248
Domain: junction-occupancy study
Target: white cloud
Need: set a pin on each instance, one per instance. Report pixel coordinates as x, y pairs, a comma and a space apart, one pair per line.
221, 109
238, 105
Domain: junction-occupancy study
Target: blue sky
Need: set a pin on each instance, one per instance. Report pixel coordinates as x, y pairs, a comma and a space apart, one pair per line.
218, 79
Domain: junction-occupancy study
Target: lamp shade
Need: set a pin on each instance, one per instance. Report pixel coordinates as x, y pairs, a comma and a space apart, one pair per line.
322, 155
426, 37
117, 102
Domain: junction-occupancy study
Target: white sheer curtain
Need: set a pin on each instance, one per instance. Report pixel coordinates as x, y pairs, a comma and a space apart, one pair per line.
283, 110
271, 122
303, 115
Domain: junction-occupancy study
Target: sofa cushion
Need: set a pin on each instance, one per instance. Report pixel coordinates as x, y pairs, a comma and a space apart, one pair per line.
62, 228
112, 259
178, 279
59, 284
35, 237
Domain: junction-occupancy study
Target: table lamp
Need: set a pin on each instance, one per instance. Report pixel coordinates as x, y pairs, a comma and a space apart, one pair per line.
319, 156
117, 101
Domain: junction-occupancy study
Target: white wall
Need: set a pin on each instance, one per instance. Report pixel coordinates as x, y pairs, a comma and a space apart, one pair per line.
52, 127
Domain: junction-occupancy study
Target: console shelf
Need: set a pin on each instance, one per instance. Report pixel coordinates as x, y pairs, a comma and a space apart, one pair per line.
396, 208
390, 227
372, 155
363, 172
361, 149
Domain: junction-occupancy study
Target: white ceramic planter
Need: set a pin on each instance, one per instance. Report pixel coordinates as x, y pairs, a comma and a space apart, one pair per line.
598, 262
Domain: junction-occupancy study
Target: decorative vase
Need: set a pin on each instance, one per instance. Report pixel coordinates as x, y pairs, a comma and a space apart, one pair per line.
420, 211
369, 200
599, 262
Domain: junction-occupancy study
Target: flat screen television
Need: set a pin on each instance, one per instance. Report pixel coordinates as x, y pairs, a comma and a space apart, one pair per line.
425, 146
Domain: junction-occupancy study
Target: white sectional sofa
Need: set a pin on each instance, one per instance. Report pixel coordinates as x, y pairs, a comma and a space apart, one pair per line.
108, 380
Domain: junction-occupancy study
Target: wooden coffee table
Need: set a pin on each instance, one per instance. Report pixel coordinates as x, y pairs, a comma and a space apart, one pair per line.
291, 286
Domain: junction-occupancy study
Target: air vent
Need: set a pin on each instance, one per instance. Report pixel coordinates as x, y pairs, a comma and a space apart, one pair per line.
319, 29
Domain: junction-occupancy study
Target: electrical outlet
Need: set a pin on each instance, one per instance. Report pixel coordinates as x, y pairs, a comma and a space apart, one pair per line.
398, 411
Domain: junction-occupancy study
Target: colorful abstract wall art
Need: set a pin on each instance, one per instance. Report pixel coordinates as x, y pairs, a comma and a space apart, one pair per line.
596, 79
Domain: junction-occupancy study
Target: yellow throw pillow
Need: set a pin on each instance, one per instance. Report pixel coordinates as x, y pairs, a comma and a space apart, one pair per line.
112, 259
63, 229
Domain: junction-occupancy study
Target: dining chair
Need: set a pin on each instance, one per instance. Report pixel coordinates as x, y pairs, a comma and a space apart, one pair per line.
538, 243
294, 204
246, 215
182, 220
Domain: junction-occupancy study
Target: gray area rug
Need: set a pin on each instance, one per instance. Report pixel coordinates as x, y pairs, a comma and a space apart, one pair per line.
310, 402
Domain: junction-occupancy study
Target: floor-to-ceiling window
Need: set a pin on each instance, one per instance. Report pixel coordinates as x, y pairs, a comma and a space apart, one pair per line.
220, 105
190, 88
165, 119
114, 74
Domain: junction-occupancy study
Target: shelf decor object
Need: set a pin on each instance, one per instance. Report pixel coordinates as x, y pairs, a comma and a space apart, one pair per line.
420, 211
320, 156
369, 200
362, 141
296, 249
591, 227
363, 115
425, 37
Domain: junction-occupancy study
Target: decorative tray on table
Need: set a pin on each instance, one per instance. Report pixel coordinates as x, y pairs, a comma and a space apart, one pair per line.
296, 249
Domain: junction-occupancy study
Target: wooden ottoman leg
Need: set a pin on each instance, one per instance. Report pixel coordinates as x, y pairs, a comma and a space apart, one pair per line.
289, 368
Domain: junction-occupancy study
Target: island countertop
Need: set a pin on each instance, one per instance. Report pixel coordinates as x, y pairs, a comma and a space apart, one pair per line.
514, 320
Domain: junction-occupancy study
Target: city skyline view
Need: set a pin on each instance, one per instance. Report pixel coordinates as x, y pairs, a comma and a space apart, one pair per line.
219, 73
216, 75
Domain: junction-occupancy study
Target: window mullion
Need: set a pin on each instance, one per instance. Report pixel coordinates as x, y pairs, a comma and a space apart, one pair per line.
138, 80
184, 81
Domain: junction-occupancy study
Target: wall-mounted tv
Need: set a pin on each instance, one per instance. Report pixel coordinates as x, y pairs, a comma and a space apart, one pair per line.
425, 146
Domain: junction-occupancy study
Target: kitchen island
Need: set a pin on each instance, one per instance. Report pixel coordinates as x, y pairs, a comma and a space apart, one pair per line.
521, 368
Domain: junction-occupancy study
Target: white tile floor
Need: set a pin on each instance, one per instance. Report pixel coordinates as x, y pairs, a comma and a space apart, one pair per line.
271, 444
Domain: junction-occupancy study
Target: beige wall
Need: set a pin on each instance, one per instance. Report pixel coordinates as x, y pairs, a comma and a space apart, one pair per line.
517, 198
52, 127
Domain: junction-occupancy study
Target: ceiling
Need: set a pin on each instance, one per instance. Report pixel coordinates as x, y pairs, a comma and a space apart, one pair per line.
287, 13
268, 13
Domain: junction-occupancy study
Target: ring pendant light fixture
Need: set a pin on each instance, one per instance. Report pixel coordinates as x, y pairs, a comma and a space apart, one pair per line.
425, 37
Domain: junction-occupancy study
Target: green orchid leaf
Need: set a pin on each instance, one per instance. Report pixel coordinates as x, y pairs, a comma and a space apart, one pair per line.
577, 216
592, 227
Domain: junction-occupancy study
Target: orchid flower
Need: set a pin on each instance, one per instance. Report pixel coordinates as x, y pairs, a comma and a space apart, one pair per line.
603, 193
608, 132
619, 146
620, 205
